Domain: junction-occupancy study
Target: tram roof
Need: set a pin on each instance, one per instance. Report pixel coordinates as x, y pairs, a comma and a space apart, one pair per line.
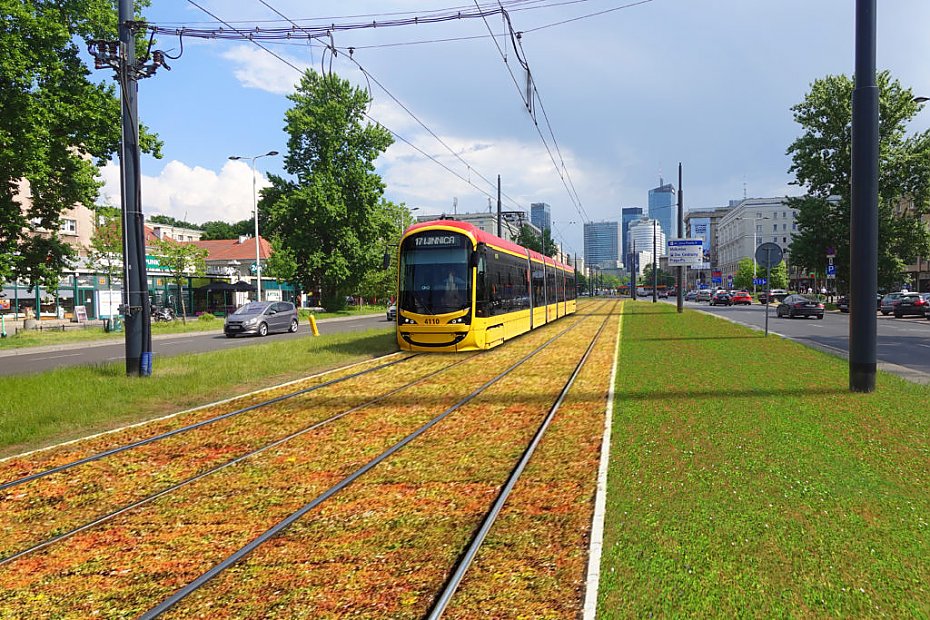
486, 237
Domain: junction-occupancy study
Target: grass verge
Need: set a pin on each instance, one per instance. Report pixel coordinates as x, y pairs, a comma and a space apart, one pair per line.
746, 480
62, 404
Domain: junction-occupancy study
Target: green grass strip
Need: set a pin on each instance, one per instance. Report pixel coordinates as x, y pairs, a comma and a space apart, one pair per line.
66, 403
74, 333
747, 480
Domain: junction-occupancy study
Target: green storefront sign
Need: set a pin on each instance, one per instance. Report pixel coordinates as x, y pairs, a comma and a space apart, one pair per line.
152, 264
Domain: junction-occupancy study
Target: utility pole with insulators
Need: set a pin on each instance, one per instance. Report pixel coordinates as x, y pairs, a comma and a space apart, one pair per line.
121, 57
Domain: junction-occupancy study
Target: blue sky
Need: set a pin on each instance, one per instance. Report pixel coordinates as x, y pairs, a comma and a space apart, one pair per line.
628, 93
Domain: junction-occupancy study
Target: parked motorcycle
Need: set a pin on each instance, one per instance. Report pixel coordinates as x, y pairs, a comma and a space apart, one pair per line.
162, 315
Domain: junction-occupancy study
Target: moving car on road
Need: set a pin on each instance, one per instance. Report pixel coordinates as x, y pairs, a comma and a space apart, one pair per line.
262, 318
392, 312
721, 298
741, 297
799, 305
702, 295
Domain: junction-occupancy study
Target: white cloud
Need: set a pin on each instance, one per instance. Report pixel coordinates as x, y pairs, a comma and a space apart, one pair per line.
195, 194
256, 68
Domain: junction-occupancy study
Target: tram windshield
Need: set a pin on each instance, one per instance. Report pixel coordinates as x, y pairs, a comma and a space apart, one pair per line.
434, 276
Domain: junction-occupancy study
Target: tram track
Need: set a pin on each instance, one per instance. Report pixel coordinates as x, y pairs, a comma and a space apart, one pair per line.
312, 455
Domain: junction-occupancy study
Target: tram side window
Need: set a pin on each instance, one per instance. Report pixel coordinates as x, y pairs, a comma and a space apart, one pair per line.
551, 285
539, 293
507, 283
570, 291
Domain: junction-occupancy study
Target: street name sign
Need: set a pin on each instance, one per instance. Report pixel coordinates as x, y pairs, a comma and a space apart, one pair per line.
685, 252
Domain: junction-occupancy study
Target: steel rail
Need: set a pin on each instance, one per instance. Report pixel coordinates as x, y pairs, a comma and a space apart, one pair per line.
468, 556
190, 427
213, 470
274, 530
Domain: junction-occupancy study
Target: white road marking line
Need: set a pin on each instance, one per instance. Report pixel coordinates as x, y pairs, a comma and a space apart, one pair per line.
52, 357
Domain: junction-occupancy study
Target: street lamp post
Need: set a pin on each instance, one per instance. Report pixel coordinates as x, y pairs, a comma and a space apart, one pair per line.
755, 244
258, 255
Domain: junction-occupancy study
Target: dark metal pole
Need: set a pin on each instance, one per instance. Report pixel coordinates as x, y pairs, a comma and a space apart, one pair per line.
863, 220
655, 271
634, 273
499, 206
681, 235
136, 307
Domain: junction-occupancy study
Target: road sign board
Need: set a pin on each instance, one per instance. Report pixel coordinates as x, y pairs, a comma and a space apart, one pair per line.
831, 270
769, 254
758, 281
685, 252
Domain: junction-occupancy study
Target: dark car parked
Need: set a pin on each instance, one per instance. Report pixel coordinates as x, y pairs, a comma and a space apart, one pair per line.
799, 305
886, 306
842, 304
911, 304
721, 298
262, 318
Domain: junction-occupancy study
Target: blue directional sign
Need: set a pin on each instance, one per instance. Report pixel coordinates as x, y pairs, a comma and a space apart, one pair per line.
758, 281
831, 270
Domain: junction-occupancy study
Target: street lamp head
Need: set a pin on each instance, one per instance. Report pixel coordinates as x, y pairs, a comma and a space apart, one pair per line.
271, 153
234, 157
920, 99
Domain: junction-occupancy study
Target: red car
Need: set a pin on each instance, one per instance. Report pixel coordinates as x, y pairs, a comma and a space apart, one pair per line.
741, 297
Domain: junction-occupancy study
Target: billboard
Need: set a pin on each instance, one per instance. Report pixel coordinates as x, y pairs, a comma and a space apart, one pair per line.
700, 229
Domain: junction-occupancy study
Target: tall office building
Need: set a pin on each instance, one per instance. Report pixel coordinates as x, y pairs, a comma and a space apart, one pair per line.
663, 207
601, 243
627, 215
641, 235
541, 215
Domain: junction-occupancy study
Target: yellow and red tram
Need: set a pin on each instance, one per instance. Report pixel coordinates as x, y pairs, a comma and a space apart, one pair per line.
462, 289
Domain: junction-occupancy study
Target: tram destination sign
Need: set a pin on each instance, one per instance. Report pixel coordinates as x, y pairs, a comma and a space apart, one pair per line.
685, 252
438, 240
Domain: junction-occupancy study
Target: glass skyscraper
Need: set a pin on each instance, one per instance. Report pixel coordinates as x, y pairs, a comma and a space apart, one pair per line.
601, 243
541, 215
663, 207
627, 215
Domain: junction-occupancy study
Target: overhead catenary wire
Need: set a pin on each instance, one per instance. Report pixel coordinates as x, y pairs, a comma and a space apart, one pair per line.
258, 35
245, 35
526, 97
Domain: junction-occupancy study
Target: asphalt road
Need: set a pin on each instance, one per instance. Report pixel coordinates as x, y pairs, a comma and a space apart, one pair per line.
903, 345
38, 359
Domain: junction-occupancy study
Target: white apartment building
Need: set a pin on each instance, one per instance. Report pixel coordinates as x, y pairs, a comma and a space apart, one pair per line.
750, 223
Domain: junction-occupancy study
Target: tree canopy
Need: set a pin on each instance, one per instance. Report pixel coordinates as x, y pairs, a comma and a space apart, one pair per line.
331, 216
541, 242
56, 127
821, 161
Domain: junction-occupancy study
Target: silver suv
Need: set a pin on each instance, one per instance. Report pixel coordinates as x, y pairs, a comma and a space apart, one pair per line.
261, 317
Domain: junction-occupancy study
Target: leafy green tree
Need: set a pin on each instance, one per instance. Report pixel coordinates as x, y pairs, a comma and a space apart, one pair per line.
664, 278
180, 261
744, 274
538, 242
821, 160
328, 216
393, 220
217, 229
167, 220
105, 254
56, 127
